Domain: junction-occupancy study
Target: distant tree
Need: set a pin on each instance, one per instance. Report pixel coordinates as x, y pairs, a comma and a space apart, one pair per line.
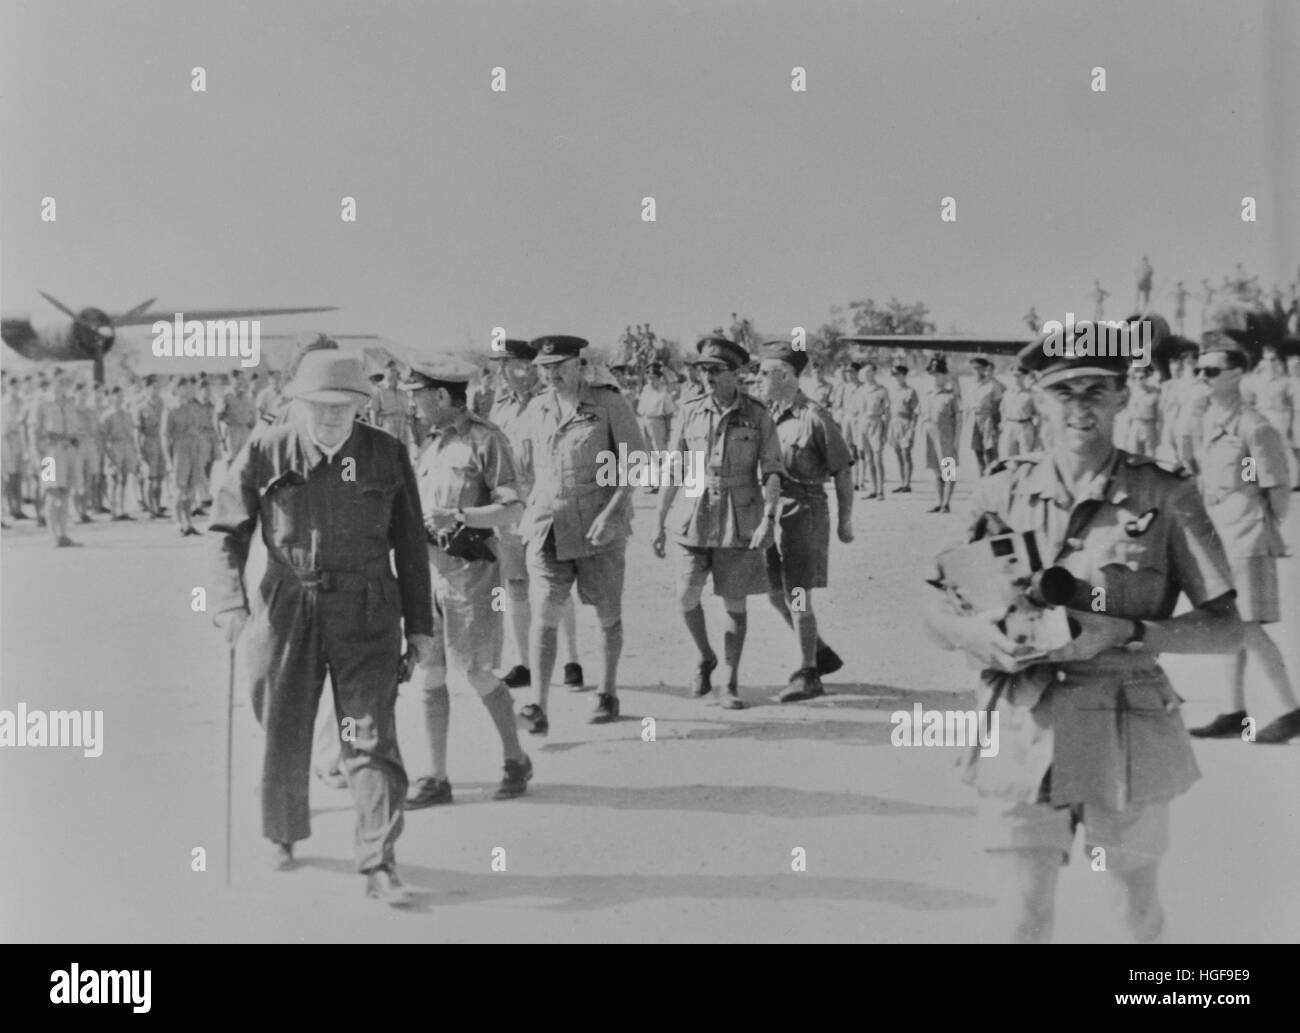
892, 318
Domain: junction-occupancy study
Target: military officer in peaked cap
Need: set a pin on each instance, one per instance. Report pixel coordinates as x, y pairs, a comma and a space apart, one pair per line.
576, 524
466, 476
518, 385
1090, 733
725, 531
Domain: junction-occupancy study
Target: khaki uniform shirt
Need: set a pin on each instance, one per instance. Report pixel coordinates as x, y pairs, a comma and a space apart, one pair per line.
567, 459
812, 447
905, 404
1240, 507
465, 464
739, 449
1108, 727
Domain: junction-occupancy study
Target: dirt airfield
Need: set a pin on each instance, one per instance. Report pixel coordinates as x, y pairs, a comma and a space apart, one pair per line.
690, 837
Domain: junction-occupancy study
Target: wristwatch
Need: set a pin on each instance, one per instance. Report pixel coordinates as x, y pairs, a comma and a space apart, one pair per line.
1138, 638
460, 516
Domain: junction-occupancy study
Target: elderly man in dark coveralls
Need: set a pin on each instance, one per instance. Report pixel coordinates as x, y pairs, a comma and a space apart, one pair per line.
333, 497
725, 531
1090, 734
813, 450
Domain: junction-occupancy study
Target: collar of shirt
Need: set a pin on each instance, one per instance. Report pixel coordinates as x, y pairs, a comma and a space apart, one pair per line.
712, 403
315, 452
779, 409
1226, 423
457, 427
1045, 482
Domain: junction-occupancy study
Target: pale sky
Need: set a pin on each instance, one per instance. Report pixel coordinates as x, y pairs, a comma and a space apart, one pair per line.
523, 209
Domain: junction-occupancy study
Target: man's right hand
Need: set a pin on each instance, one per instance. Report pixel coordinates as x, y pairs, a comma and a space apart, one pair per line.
232, 623
660, 543
979, 636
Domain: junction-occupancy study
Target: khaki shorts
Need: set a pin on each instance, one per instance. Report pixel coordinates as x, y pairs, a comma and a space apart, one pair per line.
67, 468
1132, 838
1255, 578
872, 434
467, 631
801, 556
984, 434
736, 572
599, 578
189, 468
902, 434
510, 556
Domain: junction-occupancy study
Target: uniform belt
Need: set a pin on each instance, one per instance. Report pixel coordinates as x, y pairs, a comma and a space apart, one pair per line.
735, 480
793, 489
336, 577
575, 490
71, 439
1112, 661
1020, 419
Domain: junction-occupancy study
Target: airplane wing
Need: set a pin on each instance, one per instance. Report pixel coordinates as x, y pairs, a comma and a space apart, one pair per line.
134, 318
960, 343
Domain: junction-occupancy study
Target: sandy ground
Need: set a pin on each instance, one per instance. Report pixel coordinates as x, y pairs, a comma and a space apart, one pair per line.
689, 837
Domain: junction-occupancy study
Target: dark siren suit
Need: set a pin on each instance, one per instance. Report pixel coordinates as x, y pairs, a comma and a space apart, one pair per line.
329, 599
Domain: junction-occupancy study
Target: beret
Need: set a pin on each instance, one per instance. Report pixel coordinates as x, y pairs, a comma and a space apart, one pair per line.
786, 352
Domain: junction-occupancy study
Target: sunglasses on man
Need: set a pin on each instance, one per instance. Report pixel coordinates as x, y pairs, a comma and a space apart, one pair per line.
1209, 372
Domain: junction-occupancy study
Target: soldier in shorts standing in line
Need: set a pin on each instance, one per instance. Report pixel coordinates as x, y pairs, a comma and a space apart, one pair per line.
986, 413
812, 451
120, 453
58, 460
575, 528
904, 408
184, 441
148, 430
726, 531
1090, 734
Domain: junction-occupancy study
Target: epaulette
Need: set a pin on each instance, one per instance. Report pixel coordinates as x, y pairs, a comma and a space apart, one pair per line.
1164, 466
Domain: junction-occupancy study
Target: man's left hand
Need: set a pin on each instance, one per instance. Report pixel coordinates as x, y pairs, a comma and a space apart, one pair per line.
764, 535
440, 518
600, 533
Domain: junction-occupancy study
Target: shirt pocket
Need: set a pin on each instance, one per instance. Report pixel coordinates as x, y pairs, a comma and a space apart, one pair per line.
284, 501
1132, 571
580, 445
371, 510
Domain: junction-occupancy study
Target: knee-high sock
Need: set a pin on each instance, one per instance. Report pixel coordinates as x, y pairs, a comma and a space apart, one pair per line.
500, 708
733, 644
542, 647
437, 719
611, 637
694, 618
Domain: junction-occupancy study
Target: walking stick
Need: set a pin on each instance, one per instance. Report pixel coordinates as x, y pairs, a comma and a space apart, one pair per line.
230, 738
